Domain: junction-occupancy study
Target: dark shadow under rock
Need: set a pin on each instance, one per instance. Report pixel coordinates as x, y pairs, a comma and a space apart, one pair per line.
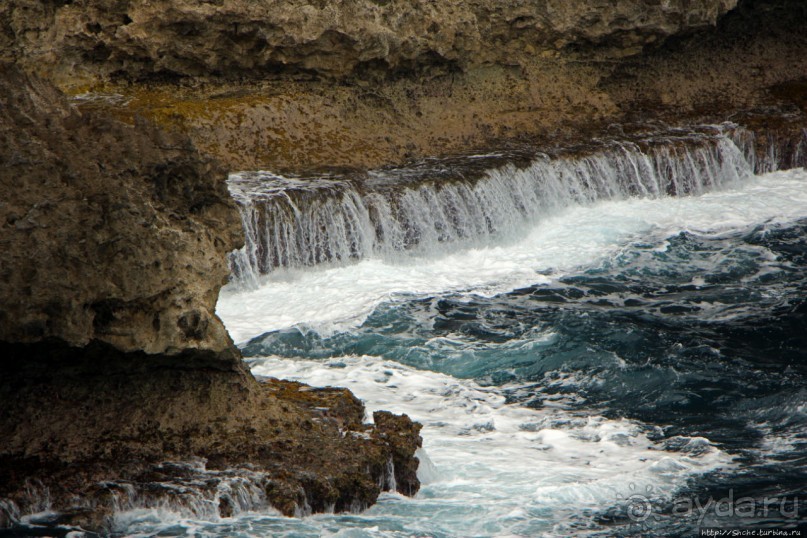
119, 386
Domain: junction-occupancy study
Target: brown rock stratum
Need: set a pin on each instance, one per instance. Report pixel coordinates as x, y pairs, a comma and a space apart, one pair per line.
141, 38
113, 243
92, 207
295, 85
114, 228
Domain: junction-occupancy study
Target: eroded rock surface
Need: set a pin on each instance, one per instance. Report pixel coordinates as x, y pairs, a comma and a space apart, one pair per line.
110, 232
112, 362
113, 235
119, 430
140, 38
379, 88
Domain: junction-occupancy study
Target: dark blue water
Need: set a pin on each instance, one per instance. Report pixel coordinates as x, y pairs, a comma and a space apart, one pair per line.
699, 335
605, 343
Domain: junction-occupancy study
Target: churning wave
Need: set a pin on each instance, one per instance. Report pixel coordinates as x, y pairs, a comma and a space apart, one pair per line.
576, 332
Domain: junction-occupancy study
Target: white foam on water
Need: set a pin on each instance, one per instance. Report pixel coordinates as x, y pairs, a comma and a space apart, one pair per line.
329, 299
497, 469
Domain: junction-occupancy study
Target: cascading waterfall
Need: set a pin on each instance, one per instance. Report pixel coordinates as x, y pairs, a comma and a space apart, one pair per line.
201, 493
292, 223
573, 330
769, 150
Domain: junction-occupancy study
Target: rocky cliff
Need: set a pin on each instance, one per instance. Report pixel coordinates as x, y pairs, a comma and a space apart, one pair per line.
296, 85
138, 39
110, 233
113, 243
115, 228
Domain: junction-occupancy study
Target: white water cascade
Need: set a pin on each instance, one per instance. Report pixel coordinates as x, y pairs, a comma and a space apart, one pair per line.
292, 223
362, 259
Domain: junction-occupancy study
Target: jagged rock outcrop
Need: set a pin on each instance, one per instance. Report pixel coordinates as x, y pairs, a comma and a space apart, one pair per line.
109, 233
105, 431
113, 243
113, 233
138, 39
299, 85
289, 87
285, 123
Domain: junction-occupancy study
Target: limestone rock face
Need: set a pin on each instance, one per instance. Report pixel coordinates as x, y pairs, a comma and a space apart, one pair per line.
107, 232
142, 38
91, 430
113, 243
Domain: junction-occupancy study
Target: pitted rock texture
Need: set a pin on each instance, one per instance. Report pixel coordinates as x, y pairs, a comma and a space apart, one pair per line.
109, 232
289, 124
113, 243
142, 38
91, 428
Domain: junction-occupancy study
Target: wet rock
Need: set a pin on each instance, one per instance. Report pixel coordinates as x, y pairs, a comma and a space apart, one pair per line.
114, 233
403, 436
96, 435
773, 138
112, 361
